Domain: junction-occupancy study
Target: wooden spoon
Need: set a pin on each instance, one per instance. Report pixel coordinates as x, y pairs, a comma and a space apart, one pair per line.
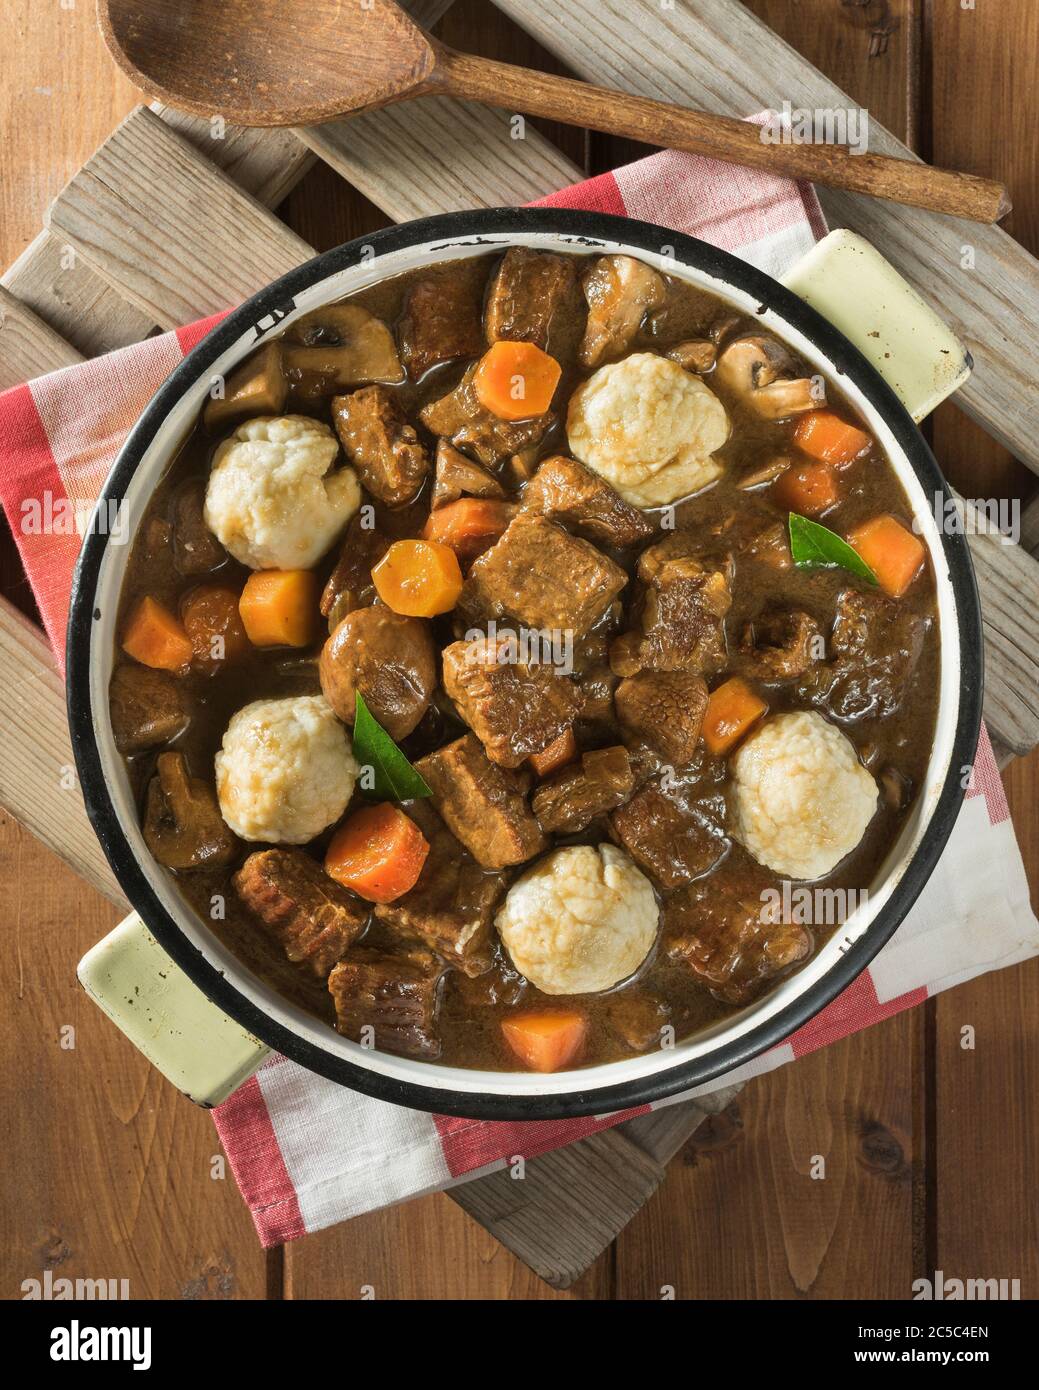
268, 63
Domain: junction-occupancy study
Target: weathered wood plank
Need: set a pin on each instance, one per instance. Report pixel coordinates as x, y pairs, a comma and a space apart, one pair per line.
28, 346
568, 1205
1008, 584
436, 154
156, 219
716, 55
37, 770
265, 163
53, 280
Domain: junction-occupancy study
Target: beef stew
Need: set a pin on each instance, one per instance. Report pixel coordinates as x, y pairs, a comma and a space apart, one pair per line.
564, 593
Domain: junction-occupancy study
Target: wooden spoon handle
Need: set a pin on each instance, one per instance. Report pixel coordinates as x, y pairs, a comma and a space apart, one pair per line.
718, 137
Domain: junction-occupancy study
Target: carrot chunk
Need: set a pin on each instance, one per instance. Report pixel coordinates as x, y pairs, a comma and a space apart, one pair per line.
560, 751
827, 437
418, 578
279, 608
379, 853
809, 489
214, 625
731, 710
892, 552
154, 637
469, 526
546, 1041
516, 380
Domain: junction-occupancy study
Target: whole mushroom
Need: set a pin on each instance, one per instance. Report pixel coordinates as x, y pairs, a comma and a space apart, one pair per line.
389, 659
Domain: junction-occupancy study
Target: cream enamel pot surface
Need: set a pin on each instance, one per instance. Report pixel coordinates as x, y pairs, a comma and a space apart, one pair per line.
733, 1040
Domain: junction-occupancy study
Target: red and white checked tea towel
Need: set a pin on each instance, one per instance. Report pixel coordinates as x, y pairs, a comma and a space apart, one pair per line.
308, 1153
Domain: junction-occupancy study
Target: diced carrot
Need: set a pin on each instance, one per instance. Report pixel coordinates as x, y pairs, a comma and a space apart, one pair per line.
418, 578
469, 526
279, 608
809, 489
731, 710
516, 380
546, 1041
560, 751
154, 637
827, 437
214, 625
892, 552
378, 852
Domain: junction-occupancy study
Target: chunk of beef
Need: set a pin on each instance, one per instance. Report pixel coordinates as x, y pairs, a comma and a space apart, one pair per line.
314, 918
542, 577
389, 1001
733, 946
195, 549
513, 707
672, 829
502, 984
451, 907
350, 583
441, 321
570, 800
381, 445
597, 683
620, 292
483, 804
637, 1018
389, 659
527, 289
679, 613
460, 418
780, 645
876, 643
455, 475
147, 708
664, 709
564, 490
183, 826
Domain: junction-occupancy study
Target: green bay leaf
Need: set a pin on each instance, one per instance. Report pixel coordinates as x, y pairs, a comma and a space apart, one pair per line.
814, 546
393, 777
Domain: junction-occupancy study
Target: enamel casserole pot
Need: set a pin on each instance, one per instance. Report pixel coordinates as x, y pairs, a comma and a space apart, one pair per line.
204, 1019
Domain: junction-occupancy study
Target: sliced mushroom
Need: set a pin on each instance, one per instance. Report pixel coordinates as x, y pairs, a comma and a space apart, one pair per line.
258, 387
761, 370
183, 827
620, 291
456, 475
780, 646
695, 355
339, 346
763, 475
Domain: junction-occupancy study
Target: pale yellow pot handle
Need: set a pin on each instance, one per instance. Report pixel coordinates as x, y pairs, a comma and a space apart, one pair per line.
145, 993
850, 283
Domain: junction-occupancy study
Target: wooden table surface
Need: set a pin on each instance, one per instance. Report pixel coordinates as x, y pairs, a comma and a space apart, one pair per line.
931, 1150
